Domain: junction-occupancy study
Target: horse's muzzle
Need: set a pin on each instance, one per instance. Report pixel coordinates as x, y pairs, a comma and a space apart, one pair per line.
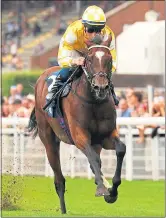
101, 92
100, 85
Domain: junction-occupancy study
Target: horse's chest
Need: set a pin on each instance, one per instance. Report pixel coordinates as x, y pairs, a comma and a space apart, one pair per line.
96, 119
102, 126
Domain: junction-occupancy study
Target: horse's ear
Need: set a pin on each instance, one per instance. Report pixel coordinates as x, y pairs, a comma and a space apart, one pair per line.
107, 42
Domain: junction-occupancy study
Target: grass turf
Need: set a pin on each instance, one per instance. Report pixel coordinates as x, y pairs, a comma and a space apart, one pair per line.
136, 198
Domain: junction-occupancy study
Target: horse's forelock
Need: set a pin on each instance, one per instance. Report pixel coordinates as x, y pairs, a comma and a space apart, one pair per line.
97, 40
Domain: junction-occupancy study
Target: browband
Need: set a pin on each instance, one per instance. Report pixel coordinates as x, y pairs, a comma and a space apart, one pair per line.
99, 46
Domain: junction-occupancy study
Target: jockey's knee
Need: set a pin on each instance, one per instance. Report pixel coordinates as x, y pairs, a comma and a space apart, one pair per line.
64, 73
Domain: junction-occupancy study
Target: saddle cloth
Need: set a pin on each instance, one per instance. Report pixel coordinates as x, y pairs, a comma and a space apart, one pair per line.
54, 109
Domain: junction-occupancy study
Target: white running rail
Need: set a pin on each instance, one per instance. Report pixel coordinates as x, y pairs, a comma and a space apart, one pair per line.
21, 155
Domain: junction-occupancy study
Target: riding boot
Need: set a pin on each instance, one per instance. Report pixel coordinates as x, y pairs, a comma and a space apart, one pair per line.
60, 78
55, 87
113, 94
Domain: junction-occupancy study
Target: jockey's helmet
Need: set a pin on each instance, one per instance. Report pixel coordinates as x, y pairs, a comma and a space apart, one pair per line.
94, 16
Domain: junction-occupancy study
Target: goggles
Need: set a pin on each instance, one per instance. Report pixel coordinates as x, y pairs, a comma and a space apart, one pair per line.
92, 29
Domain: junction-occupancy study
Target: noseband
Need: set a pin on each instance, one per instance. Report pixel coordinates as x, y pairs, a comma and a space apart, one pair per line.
88, 75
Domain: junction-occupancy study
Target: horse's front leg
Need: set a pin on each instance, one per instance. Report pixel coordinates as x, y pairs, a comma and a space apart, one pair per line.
95, 163
98, 149
120, 149
82, 141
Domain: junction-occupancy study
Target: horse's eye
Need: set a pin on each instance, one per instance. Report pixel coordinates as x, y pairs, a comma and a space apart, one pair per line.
108, 64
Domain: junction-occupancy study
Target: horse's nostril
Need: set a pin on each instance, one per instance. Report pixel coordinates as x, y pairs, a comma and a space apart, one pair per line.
107, 87
96, 88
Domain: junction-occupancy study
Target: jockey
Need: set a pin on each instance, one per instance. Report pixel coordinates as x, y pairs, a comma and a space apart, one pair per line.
93, 22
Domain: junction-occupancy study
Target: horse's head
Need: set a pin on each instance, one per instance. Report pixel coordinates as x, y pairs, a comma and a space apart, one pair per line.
98, 67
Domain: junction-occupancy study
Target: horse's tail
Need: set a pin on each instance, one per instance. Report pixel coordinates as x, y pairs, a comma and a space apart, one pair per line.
32, 125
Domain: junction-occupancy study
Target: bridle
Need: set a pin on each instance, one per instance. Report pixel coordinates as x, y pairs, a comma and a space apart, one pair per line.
87, 69
87, 66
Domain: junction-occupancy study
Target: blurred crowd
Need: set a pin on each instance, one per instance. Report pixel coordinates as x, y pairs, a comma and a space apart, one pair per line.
15, 29
20, 25
132, 103
17, 105
135, 104
14, 32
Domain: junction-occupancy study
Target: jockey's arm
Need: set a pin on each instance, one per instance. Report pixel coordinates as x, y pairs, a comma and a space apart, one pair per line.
64, 54
113, 52
112, 49
67, 56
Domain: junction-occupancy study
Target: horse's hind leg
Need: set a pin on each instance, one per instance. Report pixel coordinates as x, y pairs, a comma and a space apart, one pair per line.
52, 144
120, 148
59, 180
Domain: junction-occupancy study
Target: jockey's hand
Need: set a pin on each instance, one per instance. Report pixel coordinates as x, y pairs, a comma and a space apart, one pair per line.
78, 61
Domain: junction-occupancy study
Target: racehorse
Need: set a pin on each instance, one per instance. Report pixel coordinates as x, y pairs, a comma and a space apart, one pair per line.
90, 115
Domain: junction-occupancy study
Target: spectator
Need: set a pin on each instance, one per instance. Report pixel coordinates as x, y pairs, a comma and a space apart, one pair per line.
17, 62
142, 113
36, 29
4, 100
16, 29
14, 107
5, 107
5, 110
25, 103
139, 110
128, 94
25, 27
22, 112
20, 88
5, 49
158, 110
62, 27
13, 48
31, 101
135, 102
13, 94
124, 110
9, 30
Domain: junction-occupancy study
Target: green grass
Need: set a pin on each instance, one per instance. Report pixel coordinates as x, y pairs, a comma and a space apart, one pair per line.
136, 198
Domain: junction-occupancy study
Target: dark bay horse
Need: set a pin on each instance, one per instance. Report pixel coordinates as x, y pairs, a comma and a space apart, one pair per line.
90, 115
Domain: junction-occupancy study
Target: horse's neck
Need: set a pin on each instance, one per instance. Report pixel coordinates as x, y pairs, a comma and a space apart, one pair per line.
84, 88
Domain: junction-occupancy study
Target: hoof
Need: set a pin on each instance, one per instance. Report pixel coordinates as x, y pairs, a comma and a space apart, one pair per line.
63, 212
112, 197
110, 200
102, 191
